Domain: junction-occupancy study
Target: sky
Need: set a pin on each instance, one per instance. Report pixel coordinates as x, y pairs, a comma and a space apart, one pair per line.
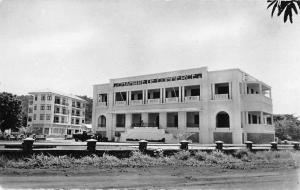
70, 45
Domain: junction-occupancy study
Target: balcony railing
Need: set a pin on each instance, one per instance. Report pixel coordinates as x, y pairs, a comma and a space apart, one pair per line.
120, 103
154, 101
221, 96
192, 125
136, 102
172, 100
191, 98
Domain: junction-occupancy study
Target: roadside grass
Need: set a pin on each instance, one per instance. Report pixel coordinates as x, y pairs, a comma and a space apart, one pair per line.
241, 159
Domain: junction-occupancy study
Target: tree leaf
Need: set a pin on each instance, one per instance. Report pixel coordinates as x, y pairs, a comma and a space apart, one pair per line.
294, 7
271, 3
273, 9
282, 7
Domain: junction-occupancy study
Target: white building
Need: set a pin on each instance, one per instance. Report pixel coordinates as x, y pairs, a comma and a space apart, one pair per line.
54, 113
195, 104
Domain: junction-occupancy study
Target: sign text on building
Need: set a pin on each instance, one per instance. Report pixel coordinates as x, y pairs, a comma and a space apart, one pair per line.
157, 80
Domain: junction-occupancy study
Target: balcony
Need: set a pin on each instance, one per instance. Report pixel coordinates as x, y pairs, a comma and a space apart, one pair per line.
136, 102
259, 128
172, 100
120, 103
221, 96
257, 102
154, 101
192, 99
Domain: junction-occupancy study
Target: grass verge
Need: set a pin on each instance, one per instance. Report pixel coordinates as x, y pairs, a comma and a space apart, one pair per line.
241, 159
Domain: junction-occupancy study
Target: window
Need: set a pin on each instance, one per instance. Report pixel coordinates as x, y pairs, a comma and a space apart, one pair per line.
42, 116
43, 97
82, 121
77, 122
102, 121
56, 119
172, 119
30, 102
29, 119
64, 111
35, 97
49, 97
30, 110
72, 121
34, 116
34, 107
120, 120
62, 119
48, 117
42, 107
48, 107
73, 103
57, 100
222, 120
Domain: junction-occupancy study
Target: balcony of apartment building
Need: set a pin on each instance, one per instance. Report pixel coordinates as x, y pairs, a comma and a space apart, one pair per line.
191, 93
221, 91
102, 100
136, 97
121, 98
172, 95
258, 121
154, 96
257, 96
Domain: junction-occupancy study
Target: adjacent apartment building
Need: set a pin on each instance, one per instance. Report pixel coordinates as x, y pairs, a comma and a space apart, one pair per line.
195, 104
53, 113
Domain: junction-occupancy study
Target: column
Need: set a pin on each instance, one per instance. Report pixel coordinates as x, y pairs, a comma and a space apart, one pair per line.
164, 95
128, 120
161, 94
163, 120
230, 90
114, 98
183, 94
146, 96
129, 97
181, 122
261, 117
245, 88
144, 102
213, 91
260, 88
179, 91
145, 119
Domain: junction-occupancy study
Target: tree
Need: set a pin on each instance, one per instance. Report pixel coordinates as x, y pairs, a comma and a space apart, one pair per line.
88, 108
24, 104
287, 127
288, 8
10, 112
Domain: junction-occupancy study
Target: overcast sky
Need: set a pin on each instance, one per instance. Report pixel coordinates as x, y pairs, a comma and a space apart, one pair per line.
69, 45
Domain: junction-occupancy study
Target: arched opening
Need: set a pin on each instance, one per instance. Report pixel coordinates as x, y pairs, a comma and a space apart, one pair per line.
222, 120
102, 121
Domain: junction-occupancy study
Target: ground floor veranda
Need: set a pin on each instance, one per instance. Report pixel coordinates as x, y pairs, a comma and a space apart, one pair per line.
186, 125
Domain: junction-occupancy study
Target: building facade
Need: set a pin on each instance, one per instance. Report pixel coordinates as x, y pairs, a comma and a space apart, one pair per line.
53, 113
196, 104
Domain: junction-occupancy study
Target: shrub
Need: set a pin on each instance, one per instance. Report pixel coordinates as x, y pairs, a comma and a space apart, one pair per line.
182, 155
201, 155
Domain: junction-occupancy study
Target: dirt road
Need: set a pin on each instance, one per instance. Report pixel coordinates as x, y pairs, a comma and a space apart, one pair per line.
152, 178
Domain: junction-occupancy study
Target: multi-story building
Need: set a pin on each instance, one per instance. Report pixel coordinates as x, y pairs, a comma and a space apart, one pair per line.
54, 113
195, 104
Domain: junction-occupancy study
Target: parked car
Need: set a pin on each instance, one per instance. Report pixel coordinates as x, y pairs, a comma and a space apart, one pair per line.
83, 136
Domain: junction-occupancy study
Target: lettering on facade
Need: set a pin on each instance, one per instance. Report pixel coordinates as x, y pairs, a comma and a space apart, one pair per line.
157, 80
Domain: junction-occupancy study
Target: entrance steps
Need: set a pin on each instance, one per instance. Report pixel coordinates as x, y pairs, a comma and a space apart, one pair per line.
147, 133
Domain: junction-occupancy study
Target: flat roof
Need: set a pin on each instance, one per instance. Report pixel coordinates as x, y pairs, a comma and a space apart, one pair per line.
58, 93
